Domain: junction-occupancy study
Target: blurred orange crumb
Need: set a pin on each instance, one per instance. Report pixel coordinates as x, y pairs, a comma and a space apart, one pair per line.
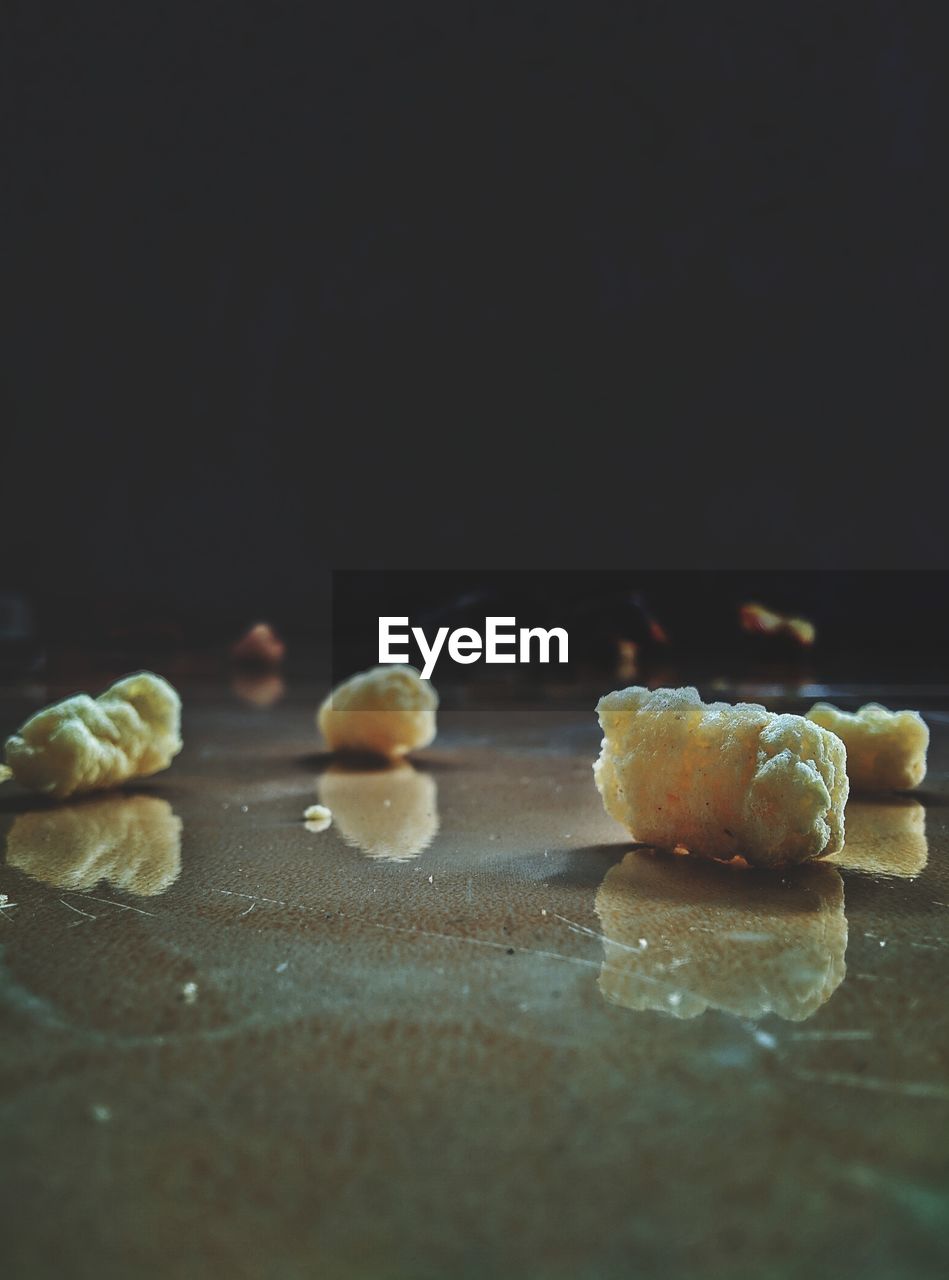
758, 620
260, 646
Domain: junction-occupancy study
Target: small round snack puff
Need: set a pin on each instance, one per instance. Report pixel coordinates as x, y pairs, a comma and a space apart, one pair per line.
386, 711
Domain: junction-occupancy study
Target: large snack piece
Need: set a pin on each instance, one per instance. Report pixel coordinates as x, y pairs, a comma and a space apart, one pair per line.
88, 744
386, 711
719, 780
886, 750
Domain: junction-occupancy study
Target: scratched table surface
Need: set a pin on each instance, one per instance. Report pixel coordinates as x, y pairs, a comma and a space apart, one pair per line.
466, 1031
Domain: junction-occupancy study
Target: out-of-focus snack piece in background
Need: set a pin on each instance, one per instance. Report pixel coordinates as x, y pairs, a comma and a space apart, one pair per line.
388, 813
627, 652
756, 619
386, 711
720, 780
886, 836
132, 842
259, 647
681, 936
886, 750
89, 744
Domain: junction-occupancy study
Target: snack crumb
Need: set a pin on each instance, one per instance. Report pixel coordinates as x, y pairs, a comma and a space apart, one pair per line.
189, 992
317, 817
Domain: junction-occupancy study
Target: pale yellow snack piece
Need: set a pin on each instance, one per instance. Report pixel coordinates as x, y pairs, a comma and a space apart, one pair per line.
130, 842
886, 750
317, 818
721, 780
386, 711
88, 744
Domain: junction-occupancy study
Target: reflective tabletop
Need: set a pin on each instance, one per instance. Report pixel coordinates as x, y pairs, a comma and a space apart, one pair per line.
468, 1030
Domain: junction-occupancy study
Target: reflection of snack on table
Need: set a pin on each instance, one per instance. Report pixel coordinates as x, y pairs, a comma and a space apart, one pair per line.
885, 837
260, 689
88, 744
720, 780
390, 814
886, 750
682, 936
386, 711
133, 842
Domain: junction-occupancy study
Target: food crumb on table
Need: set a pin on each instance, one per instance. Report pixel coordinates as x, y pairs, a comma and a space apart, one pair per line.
317, 817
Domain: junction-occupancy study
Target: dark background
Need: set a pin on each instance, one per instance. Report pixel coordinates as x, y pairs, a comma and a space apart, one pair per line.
871, 627
293, 287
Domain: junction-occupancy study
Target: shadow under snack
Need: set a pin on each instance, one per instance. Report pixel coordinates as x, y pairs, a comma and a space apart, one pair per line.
931, 799
389, 813
132, 842
682, 936
585, 868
